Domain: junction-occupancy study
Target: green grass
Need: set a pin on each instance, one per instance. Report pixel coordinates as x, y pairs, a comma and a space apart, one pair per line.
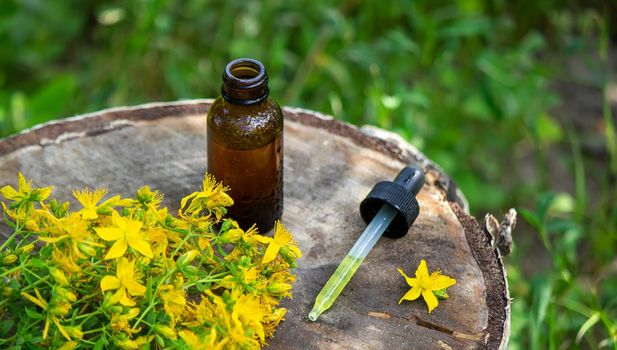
468, 82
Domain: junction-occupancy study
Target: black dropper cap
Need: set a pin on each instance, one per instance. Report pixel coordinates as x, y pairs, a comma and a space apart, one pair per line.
401, 195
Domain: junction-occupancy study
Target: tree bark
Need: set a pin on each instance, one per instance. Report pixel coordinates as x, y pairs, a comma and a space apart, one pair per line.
329, 167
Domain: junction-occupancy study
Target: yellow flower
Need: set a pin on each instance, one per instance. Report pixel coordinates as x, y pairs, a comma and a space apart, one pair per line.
73, 228
212, 197
272, 320
89, 200
148, 198
174, 301
42, 303
194, 342
247, 311
25, 191
282, 239
124, 282
426, 285
120, 322
65, 262
126, 233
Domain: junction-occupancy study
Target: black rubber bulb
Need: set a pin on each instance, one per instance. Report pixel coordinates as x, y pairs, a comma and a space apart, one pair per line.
401, 195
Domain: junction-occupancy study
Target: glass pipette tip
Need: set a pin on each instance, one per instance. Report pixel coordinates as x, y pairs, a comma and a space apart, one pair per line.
352, 261
396, 209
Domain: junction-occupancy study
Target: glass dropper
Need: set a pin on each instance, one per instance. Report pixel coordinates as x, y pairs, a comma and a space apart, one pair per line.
390, 207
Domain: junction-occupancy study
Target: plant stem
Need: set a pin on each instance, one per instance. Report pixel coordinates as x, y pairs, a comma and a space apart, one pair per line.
37, 276
88, 316
10, 239
16, 268
143, 314
31, 286
93, 330
212, 278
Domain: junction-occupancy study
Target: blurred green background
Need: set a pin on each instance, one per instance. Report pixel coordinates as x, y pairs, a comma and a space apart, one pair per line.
514, 99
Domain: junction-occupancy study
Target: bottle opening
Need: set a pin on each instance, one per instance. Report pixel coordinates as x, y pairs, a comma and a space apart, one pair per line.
245, 82
245, 69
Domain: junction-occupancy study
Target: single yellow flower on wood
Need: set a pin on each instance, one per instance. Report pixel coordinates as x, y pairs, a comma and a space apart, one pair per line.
425, 285
282, 239
127, 233
125, 282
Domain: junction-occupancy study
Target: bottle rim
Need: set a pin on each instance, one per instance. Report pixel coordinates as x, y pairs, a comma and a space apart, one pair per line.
242, 82
233, 82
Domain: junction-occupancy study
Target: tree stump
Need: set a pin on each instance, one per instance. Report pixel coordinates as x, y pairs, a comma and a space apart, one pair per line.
329, 167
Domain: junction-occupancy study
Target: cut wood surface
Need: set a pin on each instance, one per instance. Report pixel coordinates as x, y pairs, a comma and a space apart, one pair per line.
329, 167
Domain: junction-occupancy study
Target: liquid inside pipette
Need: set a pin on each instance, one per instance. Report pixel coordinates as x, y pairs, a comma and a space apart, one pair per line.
352, 261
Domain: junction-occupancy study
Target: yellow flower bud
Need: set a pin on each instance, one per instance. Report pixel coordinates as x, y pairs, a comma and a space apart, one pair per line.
278, 288
156, 271
69, 345
145, 194
166, 331
66, 295
86, 249
27, 249
9, 259
187, 257
203, 243
59, 276
32, 225
232, 236
126, 344
178, 281
60, 309
74, 332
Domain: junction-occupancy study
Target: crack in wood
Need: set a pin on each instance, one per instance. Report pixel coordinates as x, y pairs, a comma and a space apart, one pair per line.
477, 338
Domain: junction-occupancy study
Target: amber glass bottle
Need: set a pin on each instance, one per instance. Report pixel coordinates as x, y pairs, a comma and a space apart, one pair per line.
245, 144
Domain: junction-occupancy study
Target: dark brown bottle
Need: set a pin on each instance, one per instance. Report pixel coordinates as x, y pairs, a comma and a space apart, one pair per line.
245, 144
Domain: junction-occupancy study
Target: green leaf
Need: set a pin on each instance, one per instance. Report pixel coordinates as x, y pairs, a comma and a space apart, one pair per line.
38, 263
548, 130
5, 327
202, 287
467, 27
45, 252
100, 344
591, 321
542, 297
33, 314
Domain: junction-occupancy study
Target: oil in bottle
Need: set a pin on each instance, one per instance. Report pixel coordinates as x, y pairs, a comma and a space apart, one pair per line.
245, 145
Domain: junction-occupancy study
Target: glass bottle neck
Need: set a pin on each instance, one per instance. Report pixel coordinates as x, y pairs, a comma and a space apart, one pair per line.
245, 82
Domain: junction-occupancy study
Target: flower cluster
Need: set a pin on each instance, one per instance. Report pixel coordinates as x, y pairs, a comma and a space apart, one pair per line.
124, 273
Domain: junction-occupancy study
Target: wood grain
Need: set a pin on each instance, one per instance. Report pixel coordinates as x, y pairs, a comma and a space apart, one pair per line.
329, 167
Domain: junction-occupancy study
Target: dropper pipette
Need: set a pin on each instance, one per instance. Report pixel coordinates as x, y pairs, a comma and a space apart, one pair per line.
390, 207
